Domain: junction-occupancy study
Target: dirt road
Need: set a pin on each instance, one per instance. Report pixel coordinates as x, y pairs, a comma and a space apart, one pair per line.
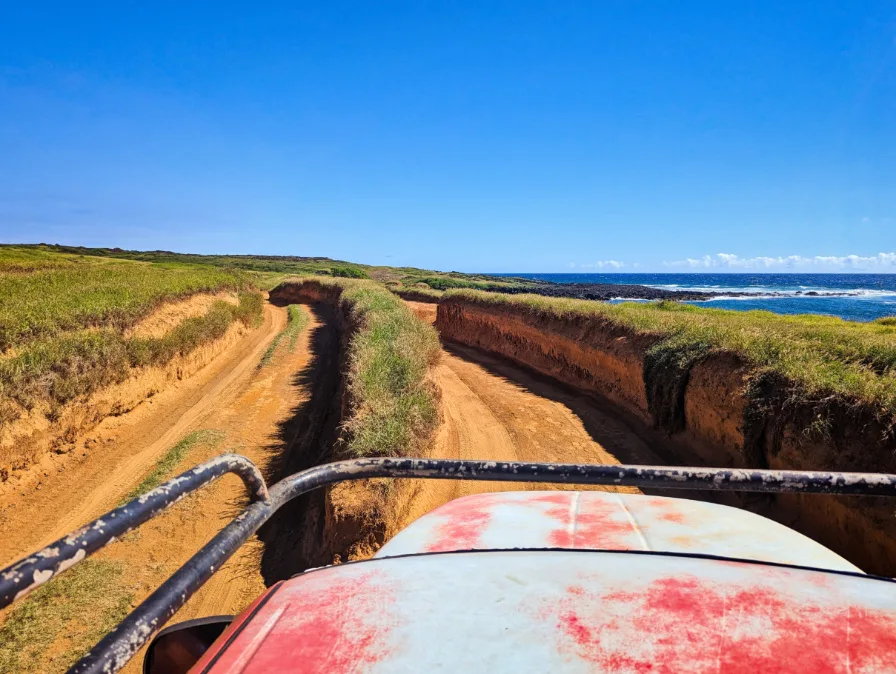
497, 411
234, 404
492, 410
124, 449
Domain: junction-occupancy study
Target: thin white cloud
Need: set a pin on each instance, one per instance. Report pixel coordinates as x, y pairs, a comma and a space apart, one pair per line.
603, 264
879, 262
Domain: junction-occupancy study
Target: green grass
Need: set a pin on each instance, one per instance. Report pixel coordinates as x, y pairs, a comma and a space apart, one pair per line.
63, 368
446, 282
64, 293
822, 355
297, 319
266, 271
170, 460
80, 606
262, 264
416, 293
23, 260
394, 406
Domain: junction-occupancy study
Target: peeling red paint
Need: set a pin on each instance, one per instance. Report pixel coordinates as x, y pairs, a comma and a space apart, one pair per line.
672, 516
332, 625
686, 625
667, 510
597, 525
463, 524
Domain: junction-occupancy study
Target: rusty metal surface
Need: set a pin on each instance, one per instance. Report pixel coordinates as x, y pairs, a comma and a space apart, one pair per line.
573, 612
654, 477
607, 521
28, 574
113, 652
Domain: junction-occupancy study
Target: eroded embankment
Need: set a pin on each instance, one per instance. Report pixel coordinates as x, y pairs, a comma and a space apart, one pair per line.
369, 394
169, 345
713, 408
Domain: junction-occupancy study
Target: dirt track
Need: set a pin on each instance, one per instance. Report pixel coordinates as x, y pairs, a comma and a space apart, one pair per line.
248, 407
492, 410
127, 448
495, 410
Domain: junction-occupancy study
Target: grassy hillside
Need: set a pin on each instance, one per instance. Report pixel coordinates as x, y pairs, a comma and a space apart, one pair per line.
64, 317
45, 295
274, 268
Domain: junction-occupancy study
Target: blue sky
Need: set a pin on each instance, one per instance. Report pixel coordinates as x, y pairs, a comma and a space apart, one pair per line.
487, 136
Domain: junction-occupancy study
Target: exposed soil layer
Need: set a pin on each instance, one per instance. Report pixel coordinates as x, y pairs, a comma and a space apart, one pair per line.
168, 316
251, 408
326, 525
495, 410
38, 441
703, 410
490, 410
108, 460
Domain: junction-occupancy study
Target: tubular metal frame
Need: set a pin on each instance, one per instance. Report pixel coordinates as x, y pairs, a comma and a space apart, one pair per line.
120, 645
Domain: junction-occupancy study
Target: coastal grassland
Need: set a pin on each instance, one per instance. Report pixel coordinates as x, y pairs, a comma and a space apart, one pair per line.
393, 403
269, 270
262, 264
68, 615
450, 281
47, 294
24, 259
297, 319
417, 294
64, 319
819, 357
59, 369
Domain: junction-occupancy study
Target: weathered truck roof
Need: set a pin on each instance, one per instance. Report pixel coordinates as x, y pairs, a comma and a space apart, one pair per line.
652, 600
607, 521
570, 611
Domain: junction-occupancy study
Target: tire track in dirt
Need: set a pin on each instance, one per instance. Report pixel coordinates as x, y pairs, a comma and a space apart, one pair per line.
254, 407
497, 411
84, 491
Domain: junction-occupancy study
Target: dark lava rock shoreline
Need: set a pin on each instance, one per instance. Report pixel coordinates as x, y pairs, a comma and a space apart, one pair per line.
613, 291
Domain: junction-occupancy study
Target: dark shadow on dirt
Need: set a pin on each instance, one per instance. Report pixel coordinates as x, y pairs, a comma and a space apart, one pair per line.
293, 538
617, 430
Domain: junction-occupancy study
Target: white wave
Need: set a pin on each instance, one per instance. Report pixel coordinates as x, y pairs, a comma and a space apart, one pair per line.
757, 292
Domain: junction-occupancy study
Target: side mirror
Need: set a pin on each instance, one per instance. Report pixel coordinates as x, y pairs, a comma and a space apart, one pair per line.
177, 648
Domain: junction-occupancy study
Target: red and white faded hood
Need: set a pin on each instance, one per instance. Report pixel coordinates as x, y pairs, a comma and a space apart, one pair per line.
593, 520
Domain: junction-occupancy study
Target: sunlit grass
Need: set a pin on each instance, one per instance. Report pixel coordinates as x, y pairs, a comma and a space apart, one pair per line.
63, 293
59, 369
77, 609
297, 319
170, 460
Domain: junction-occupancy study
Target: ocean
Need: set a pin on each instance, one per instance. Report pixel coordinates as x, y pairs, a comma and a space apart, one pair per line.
855, 297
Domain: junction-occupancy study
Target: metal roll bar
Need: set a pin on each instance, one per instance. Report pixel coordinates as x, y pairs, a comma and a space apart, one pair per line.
120, 645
